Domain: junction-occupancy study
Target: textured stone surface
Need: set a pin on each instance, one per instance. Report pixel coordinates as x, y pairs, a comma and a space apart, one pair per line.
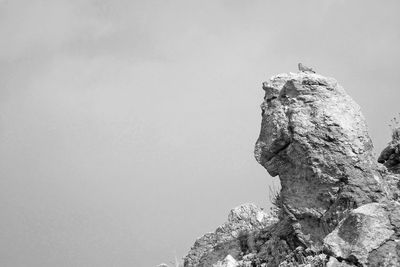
365, 229
337, 205
229, 261
390, 156
315, 138
214, 247
387, 255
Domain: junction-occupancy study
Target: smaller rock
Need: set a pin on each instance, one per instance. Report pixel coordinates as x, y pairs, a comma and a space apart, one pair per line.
385, 255
249, 257
333, 262
390, 156
229, 261
362, 231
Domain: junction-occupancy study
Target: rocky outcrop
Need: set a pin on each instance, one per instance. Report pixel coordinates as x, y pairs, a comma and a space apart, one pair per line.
315, 138
337, 206
230, 238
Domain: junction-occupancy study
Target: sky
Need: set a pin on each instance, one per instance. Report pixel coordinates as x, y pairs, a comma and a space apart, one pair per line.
127, 127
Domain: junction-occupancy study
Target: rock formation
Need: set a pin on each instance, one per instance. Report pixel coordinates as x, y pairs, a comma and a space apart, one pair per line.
315, 138
390, 156
337, 205
230, 238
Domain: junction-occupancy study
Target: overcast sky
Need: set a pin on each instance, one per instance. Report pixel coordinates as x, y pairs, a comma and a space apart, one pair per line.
127, 127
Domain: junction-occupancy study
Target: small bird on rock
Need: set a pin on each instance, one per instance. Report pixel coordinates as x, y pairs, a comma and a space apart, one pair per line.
303, 68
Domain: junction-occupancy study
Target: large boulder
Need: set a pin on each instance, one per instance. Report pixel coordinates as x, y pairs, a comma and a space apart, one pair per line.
315, 138
337, 206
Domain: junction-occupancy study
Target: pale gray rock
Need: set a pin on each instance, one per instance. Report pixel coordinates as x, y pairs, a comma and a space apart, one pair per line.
309, 261
386, 255
337, 205
315, 138
364, 230
229, 261
333, 262
214, 247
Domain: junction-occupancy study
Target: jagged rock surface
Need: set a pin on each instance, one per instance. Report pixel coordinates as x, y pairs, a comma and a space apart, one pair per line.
214, 247
315, 138
365, 229
337, 205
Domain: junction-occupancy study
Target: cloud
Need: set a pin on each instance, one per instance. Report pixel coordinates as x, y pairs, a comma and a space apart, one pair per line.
40, 28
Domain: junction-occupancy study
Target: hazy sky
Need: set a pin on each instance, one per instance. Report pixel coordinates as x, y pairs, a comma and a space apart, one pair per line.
127, 127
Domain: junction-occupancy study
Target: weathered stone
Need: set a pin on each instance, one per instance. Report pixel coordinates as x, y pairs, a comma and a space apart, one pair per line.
229, 261
315, 138
391, 184
390, 156
394, 215
337, 205
387, 255
214, 247
309, 261
333, 262
362, 231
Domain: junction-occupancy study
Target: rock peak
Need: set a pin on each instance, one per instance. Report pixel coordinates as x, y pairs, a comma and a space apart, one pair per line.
315, 138
337, 205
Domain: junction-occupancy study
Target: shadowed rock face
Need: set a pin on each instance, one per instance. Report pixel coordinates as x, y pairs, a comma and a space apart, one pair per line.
390, 156
315, 138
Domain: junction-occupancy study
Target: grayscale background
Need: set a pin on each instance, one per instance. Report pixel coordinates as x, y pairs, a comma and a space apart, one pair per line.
127, 127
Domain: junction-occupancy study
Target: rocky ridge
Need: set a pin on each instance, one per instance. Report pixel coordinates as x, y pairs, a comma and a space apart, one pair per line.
231, 237
338, 205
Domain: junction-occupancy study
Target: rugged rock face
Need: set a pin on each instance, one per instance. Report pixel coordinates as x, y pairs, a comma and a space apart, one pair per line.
337, 206
365, 229
228, 239
315, 138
